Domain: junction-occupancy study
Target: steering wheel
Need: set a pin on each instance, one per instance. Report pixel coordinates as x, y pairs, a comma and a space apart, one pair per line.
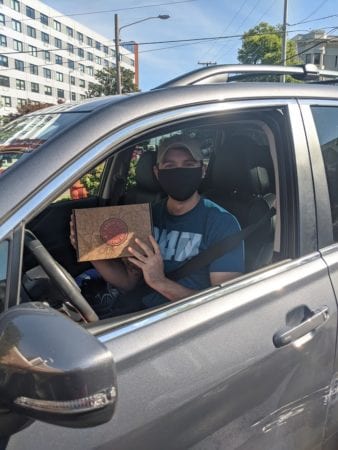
61, 277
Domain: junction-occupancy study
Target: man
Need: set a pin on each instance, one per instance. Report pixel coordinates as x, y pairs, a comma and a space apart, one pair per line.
184, 225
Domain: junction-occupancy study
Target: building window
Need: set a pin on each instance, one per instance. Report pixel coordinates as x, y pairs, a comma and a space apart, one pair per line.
71, 64
35, 87
19, 65
58, 59
18, 45
59, 76
80, 52
81, 68
90, 56
30, 12
70, 31
60, 93
48, 90
33, 69
72, 80
70, 47
2, 19
21, 102
57, 25
97, 45
316, 59
45, 37
336, 61
90, 71
47, 73
105, 49
47, 55
31, 31
3, 40
43, 19
3, 61
89, 41
6, 101
98, 60
16, 25
20, 84
4, 81
58, 42
82, 83
33, 50
106, 62
15, 5
73, 96
82, 97
80, 36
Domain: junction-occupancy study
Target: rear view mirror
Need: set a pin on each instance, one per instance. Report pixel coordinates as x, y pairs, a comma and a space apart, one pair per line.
53, 370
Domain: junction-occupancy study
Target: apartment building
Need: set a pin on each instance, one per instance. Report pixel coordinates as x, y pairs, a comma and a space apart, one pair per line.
318, 47
46, 57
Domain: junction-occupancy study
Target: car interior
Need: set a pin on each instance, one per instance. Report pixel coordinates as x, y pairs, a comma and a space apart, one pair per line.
241, 156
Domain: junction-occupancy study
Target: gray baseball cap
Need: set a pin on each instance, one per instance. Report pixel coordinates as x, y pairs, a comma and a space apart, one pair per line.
180, 142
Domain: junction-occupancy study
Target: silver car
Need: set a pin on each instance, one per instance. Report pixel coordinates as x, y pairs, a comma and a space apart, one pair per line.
248, 364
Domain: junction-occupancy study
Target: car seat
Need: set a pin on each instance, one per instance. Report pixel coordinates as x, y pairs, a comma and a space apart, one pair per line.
238, 179
146, 189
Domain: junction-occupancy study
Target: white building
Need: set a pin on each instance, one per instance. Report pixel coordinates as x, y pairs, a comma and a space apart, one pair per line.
318, 47
47, 57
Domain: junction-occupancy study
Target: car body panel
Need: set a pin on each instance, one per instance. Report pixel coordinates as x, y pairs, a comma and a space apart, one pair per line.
204, 372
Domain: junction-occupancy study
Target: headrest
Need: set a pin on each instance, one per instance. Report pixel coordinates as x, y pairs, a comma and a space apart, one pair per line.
239, 167
144, 173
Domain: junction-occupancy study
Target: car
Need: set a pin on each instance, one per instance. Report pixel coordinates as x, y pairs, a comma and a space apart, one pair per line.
247, 364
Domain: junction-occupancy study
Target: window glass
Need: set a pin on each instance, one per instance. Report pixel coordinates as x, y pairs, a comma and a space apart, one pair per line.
43, 19
57, 25
3, 40
44, 37
4, 252
6, 101
3, 61
30, 12
4, 81
31, 31
34, 70
2, 19
86, 186
326, 120
33, 50
16, 25
19, 65
18, 45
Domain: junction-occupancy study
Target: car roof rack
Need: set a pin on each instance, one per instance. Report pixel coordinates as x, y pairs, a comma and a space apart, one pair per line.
244, 72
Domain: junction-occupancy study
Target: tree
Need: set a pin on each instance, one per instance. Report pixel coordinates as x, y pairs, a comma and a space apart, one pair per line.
263, 45
106, 82
30, 107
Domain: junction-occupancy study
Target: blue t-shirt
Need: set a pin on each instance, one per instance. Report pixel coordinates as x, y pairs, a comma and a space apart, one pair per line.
182, 237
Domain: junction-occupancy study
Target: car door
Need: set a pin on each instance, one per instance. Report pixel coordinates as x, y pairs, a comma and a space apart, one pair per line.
321, 119
247, 364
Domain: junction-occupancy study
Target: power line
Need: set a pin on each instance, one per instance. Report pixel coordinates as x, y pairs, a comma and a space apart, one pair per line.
314, 11
313, 20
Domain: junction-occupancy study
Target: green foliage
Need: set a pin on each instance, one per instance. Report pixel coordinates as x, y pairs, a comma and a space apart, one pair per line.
131, 179
92, 179
106, 82
263, 45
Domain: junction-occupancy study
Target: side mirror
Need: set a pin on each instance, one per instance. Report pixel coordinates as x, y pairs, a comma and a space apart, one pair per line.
53, 370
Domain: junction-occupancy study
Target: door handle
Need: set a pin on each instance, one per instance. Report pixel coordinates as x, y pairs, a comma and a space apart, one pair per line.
290, 334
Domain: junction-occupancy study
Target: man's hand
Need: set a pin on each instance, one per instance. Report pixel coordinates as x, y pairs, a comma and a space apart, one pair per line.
149, 260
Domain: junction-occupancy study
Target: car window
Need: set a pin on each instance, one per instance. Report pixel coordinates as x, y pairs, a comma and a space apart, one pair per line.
4, 246
22, 136
326, 120
87, 186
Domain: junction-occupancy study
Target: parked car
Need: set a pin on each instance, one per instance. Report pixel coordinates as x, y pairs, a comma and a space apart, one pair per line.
249, 364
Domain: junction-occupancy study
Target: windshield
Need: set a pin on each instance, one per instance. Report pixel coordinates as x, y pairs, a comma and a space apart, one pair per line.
28, 132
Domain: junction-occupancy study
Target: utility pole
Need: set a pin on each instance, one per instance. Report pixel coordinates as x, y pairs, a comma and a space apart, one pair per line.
207, 63
117, 56
284, 36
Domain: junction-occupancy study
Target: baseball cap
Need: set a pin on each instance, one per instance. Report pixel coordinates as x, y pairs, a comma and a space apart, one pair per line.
180, 142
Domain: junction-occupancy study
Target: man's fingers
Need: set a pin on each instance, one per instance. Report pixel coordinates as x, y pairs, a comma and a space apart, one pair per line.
137, 254
144, 247
155, 245
135, 261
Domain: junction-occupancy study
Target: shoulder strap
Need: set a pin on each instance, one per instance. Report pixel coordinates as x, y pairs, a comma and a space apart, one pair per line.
218, 249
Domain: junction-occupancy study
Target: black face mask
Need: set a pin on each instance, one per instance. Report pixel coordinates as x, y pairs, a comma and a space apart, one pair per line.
180, 183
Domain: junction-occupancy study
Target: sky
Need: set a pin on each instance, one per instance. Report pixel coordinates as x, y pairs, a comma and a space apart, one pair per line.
193, 19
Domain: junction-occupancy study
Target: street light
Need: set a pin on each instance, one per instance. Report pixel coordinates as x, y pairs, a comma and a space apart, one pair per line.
117, 44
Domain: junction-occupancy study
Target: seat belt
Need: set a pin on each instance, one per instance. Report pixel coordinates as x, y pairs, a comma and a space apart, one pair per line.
218, 249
